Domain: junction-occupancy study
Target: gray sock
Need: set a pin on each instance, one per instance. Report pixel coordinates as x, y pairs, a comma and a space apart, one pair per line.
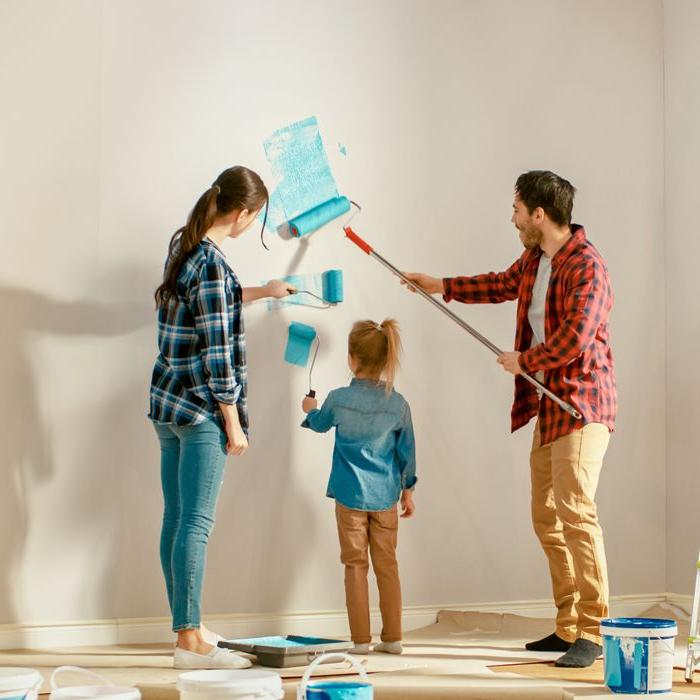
581, 654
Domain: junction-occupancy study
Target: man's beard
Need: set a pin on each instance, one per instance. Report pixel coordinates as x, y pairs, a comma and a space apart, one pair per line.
531, 237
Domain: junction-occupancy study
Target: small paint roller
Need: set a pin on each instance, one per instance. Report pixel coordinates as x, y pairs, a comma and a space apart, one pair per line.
331, 289
299, 341
364, 246
332, 285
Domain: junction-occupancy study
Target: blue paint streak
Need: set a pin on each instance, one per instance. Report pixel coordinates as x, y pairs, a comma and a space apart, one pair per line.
300, 167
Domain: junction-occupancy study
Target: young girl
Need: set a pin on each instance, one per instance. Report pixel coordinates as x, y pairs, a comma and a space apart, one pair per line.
198, 395
374, 466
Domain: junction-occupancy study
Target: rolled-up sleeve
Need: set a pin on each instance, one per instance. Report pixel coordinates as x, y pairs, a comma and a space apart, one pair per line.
406, 451
491, 288
211, 309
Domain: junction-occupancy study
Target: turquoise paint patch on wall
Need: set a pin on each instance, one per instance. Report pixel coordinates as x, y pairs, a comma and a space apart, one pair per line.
300, 170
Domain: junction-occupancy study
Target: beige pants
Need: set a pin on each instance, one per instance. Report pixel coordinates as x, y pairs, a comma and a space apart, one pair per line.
359, 531
564, 476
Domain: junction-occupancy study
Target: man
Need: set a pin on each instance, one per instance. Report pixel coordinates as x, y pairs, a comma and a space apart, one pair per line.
564, 300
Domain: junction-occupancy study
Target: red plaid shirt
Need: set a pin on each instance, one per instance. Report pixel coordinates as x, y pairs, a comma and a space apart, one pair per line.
575, 357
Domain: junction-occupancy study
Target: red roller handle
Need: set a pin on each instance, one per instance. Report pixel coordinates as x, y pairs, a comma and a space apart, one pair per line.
357, 240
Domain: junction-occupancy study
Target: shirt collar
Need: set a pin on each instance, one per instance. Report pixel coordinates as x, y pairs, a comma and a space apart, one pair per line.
577, 239
360, 381
211, 243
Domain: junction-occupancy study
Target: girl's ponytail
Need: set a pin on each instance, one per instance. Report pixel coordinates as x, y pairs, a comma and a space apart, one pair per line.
376, 348
390, 328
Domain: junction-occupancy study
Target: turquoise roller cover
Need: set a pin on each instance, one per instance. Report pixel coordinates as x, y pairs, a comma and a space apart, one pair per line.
299, 343
332, 286
312, 220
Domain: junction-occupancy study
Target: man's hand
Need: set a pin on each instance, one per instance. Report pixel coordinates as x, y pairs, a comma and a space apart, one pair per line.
510, 362
408, 508
432, 285
308, 404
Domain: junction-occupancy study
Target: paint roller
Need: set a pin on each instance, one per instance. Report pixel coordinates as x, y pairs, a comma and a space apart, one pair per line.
331, 290
314, 219
299, 341
326, 212
363, 245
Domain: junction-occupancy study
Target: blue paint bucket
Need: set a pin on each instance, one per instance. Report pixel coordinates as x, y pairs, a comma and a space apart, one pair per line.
638, 654
335, 690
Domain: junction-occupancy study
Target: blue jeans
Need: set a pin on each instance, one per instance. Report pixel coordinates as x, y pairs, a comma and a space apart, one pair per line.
192, 468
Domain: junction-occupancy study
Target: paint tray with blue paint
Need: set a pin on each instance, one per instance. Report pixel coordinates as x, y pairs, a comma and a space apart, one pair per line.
286, 651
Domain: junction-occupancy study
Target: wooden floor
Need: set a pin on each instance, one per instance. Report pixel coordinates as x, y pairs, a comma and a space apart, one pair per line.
463, 655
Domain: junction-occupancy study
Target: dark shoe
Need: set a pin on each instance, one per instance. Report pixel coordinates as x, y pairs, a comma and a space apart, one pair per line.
552, 643
581, 655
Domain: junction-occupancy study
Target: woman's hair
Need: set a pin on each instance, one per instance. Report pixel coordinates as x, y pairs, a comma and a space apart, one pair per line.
236, 188
376, 348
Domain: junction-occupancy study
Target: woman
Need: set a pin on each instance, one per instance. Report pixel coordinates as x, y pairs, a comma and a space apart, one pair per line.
198, 395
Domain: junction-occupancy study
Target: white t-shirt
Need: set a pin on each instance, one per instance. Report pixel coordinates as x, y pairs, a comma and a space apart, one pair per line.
535, 314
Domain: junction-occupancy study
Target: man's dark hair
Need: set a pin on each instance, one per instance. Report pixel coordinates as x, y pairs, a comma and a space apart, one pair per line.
542, 188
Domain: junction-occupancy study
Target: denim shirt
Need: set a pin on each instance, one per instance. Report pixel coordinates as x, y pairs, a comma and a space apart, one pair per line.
375, 454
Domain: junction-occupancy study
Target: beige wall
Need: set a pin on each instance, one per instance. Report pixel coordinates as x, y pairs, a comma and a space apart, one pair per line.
117, 115
682, 115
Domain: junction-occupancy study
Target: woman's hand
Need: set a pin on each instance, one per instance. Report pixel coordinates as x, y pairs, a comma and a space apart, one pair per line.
408, 507
278, 289
236, 441
308, 404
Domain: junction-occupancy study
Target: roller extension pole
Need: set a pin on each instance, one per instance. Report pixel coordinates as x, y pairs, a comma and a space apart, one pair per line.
463, 324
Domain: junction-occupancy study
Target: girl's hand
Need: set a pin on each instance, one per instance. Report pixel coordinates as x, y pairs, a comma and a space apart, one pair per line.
408, 507
237, 442
308, 404
278, 289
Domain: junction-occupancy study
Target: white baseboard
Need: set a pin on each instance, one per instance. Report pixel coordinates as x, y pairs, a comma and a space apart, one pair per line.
327, 623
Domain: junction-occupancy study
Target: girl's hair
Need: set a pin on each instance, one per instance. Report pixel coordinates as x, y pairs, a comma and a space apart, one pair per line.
236, 188
376, 348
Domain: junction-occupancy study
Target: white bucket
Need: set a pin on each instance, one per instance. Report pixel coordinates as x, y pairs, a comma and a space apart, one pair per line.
107, 689
638, 654
230, 685
19, 683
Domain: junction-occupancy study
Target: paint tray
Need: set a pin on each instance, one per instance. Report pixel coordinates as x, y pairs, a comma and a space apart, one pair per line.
286, 651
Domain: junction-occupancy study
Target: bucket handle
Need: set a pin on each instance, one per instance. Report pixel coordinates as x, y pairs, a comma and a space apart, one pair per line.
357, 666
86, 671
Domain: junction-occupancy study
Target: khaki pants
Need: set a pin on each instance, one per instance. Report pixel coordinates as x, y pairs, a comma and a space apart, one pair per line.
359, 531
564, 476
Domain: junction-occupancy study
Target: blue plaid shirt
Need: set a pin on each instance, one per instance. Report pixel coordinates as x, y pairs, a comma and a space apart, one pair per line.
201, 339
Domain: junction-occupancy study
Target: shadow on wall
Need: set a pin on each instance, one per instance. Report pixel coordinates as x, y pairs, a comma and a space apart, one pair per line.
264, 518
26, 455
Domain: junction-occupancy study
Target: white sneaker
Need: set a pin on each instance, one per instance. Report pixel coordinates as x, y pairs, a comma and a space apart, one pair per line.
213, 638
360, 649
388, 647
216, 658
